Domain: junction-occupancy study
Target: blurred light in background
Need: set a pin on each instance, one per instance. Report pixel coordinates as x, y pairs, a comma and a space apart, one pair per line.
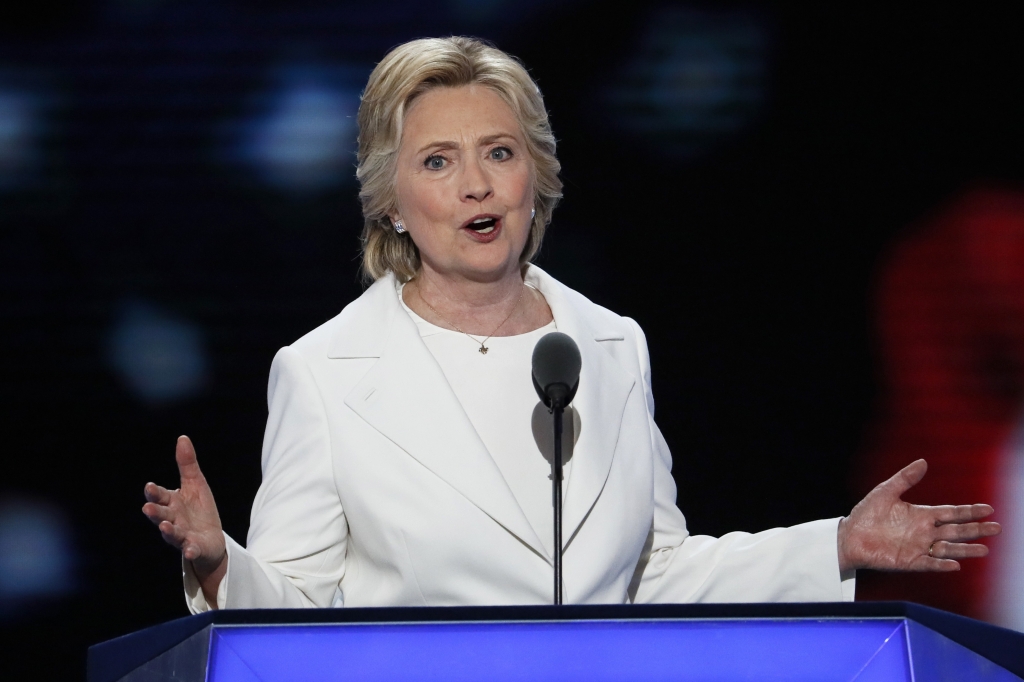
21, 129
37, 558
301, 137
1006, 601
950, 321
159, 357
697, 78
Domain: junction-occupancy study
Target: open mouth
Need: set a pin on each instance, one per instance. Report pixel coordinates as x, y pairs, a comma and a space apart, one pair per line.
483, 225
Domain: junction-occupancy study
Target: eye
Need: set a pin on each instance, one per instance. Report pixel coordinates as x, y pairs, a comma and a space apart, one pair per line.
501, 154
435, 162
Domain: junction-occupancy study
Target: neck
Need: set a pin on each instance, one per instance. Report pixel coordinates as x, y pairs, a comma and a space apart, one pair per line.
474, 306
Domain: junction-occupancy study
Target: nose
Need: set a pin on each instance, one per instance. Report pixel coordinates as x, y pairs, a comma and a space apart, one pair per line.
476, 182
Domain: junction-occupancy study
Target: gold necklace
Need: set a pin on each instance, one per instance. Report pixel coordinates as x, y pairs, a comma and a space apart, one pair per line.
483, 349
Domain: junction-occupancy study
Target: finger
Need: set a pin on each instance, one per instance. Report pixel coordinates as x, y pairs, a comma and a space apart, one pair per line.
157, 513
185, 456
957, 550
191, 551
907, 477
968, 532
172, 535
158, 494
934, 565
961, 513
990, 529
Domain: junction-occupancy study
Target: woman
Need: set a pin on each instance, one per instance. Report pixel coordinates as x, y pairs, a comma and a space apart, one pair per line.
399, 464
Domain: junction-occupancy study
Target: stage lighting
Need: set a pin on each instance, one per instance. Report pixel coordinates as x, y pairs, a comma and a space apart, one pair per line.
159, 357
20, 134
696, 78
36, 552
301, 137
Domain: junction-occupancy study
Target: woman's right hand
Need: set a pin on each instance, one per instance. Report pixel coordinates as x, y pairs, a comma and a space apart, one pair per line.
188, 520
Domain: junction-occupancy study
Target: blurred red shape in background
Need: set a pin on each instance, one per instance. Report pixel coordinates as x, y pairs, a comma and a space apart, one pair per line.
951, 331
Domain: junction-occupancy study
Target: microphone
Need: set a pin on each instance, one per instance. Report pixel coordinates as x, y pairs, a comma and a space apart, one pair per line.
556, 369
556, 376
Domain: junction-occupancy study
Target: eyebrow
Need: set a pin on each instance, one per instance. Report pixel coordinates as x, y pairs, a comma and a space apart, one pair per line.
449, 144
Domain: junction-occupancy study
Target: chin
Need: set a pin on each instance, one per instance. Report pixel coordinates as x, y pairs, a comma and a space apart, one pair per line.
489, 269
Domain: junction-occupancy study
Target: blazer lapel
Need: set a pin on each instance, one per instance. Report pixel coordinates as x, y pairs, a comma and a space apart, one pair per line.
406, 397
600, 401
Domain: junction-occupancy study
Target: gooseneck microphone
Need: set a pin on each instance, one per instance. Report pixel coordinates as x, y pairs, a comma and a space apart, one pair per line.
556, 376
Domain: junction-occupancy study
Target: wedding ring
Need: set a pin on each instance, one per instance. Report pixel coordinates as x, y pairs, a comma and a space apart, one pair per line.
932, 547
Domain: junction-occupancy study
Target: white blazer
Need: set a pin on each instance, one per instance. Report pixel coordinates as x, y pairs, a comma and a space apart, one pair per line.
377, 490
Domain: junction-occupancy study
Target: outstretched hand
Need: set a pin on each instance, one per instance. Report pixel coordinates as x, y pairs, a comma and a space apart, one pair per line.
885, 533
188, 519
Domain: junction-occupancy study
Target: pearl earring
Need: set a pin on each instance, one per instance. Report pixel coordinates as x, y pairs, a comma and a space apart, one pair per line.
399, 227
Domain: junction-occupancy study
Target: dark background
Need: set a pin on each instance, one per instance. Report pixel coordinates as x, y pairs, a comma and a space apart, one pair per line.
749, 163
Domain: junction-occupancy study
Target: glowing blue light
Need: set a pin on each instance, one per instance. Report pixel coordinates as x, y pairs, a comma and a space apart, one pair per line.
159, 357
36, 556
697, 78
303, 136
594, 651
20, 130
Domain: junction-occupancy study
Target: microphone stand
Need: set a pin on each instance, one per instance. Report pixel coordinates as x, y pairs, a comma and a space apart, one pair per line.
556, 490
556, 376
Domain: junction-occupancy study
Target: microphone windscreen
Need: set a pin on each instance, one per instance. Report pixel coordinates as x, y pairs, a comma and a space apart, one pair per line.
556, 360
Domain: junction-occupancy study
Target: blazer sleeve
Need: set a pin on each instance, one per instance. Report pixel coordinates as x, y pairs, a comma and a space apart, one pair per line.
794, 564
295, 554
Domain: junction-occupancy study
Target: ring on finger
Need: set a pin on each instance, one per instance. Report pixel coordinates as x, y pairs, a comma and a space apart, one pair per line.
931, 548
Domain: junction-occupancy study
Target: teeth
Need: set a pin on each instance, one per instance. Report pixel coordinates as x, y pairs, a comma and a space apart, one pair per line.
484, 225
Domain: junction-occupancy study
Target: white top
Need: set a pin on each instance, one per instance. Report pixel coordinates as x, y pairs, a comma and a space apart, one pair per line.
377, 490
497, 393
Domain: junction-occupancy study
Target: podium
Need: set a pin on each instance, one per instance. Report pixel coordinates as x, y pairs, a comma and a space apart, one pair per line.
866, 642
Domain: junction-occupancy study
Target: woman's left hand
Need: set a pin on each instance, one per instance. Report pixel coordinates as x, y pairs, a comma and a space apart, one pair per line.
885, 533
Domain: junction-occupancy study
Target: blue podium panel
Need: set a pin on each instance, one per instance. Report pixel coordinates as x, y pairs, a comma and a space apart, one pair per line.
801, 651
939, 658
884, 642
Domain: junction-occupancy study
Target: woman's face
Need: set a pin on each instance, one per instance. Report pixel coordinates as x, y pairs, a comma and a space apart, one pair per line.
465, 183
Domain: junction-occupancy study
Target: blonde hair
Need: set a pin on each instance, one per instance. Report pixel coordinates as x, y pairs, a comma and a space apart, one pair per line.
407, 72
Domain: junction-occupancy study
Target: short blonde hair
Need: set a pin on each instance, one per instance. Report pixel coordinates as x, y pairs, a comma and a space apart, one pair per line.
407, 72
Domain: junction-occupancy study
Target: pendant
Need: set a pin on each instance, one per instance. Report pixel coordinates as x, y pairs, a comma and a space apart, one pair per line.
483, 350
